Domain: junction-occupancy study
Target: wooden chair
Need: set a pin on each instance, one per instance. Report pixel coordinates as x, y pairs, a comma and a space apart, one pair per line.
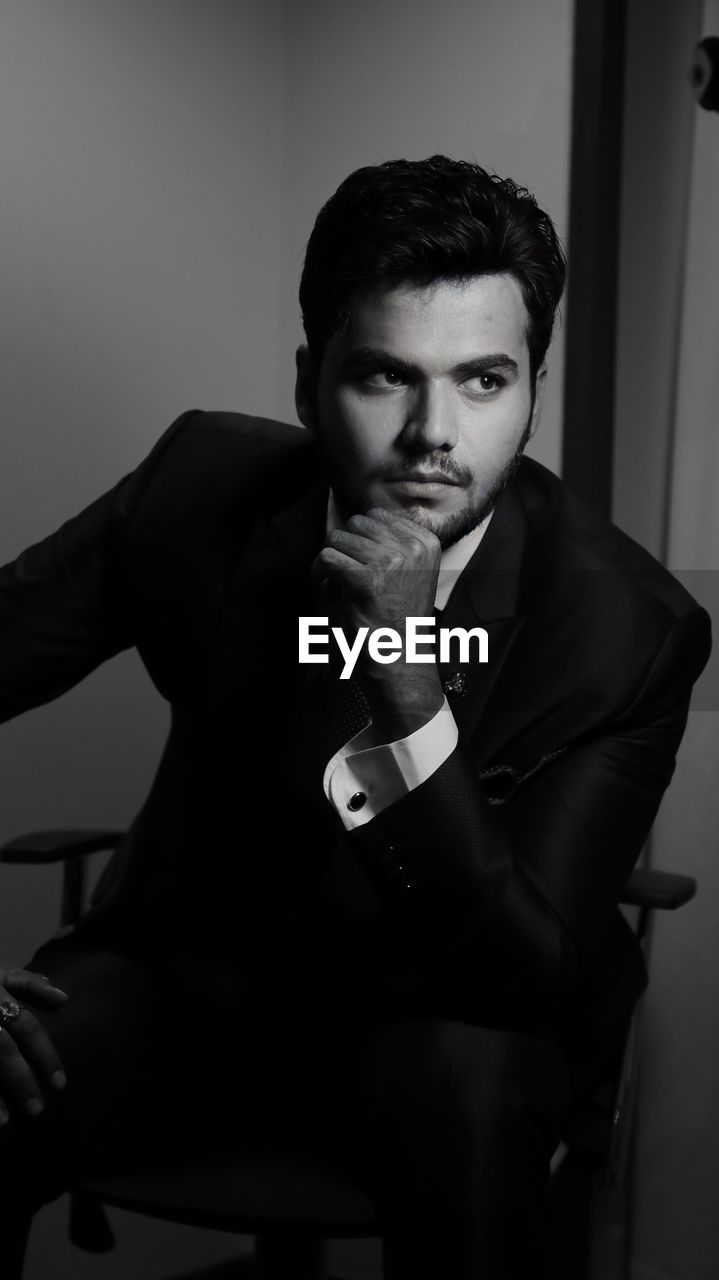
290, 1201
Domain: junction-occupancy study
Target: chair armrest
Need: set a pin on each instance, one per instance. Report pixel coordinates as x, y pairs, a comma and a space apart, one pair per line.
646, 889
58, 846
70, 848
664, 889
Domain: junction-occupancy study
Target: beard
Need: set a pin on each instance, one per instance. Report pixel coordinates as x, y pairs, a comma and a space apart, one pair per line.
453, 526
457, 524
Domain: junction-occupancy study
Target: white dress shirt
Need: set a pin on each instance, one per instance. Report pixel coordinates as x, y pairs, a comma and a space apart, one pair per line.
383, 772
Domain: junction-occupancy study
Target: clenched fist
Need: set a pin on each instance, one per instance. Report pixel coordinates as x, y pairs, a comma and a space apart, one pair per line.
383, 568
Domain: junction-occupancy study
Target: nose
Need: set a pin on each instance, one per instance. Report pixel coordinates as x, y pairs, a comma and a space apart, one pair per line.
431, 420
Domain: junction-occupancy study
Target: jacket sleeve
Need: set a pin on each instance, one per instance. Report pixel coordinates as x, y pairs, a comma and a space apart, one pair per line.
518, 896
61, 600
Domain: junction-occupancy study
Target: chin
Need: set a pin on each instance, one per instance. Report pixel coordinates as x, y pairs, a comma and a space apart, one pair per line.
448, 526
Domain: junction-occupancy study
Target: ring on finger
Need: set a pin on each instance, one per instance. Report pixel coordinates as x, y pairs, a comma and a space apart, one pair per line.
9, 1011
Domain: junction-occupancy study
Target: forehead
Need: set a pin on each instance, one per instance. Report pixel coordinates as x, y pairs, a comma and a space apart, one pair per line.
444, 323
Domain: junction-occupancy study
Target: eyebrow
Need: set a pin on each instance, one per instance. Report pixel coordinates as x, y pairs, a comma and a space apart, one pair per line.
364, 357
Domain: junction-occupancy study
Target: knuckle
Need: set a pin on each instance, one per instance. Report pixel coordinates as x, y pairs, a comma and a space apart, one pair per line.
28, 1026
393, 561
325, 562
375, 580
356, 522
418, 542
26, 1036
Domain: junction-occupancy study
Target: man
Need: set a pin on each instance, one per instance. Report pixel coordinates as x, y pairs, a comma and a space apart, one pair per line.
377, 912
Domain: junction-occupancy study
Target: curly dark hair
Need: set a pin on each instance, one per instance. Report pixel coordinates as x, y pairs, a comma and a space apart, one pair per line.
421, 221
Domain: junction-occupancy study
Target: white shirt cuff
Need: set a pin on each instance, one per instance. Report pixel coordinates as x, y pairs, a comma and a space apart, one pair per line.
385, 773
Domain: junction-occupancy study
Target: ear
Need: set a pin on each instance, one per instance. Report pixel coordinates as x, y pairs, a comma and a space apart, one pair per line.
306, 388
540, 383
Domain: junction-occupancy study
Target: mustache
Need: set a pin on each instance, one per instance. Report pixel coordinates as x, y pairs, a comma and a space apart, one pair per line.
410, 468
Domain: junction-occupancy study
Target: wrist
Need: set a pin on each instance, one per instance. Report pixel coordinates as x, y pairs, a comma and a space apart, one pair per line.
403, 704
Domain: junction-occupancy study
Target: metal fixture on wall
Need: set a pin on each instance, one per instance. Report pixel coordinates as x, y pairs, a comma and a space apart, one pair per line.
704, 73
594, 209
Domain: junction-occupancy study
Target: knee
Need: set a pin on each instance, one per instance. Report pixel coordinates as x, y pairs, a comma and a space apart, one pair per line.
503, 1090
480, 1087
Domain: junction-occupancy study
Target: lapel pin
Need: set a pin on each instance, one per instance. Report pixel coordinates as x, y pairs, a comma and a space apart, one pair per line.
456, 684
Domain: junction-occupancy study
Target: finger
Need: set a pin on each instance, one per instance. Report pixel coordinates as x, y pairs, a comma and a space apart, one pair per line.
412, 541
383, 551
408, 588
26, 1055
389, 529
348, 572
37, 1047
405, 525
382, 531
325, 590
34, 987
17, 1079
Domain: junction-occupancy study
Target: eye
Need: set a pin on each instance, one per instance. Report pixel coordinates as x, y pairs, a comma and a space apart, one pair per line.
486, 383
381, 379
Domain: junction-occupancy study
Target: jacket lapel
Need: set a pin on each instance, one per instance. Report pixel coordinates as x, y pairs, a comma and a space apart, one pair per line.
487, 594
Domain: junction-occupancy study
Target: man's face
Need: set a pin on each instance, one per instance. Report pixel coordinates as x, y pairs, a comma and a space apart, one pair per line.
424, 403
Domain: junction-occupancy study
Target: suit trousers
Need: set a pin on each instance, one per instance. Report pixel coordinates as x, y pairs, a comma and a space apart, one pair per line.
449, 1126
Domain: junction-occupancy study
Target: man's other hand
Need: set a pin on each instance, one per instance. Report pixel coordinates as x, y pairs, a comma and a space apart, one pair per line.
27, 1055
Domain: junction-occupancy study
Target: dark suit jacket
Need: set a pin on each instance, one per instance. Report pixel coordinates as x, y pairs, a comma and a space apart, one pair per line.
490, 891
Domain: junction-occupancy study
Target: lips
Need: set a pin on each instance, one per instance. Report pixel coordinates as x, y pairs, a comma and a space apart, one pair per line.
423, 477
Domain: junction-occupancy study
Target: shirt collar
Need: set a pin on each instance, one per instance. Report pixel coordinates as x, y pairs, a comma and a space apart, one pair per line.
454, 559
